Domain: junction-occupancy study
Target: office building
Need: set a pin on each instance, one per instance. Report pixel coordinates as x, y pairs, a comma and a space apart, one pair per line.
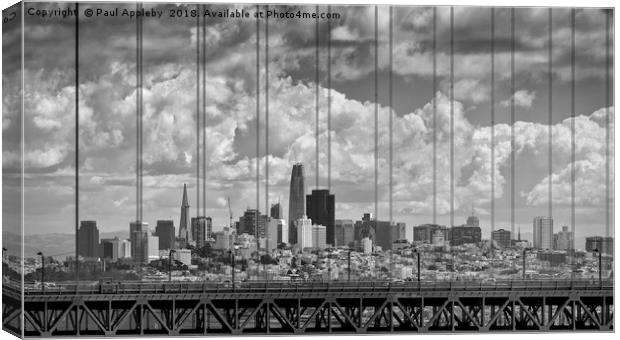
345, 233
366, 245
125, 249
164, 229
398, 232
201, 229
604, 244
138, 235
185, 236
303, 227
276, 211
438, 239
555, 258
319, 236
282, 231
543, 233
501, 238
223, 239
248, 223
465, 235
184, 256
320, 208
424, 232
88, 237
111, 248
563, 240
365, 228
297, 200
271, 237
152, 244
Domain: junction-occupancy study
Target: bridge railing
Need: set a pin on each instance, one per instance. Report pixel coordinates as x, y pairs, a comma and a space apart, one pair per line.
140, 287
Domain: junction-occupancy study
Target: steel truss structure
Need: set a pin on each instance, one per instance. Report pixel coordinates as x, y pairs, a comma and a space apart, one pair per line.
310, 309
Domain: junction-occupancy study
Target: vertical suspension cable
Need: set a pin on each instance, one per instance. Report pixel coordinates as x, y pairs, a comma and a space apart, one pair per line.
434, 115
266, 117
139, 116
608, 134
452, 127
77, 140
204, 120
550, 118
329, 101
316, 97
391, 112
198, 106
512, 120
451, 116
493, 128
257, 124
376, 99
572, 134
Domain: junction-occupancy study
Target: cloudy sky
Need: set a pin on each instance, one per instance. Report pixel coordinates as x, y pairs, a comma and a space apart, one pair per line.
107, 91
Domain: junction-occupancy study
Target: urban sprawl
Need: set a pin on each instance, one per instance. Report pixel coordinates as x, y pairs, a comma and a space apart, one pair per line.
311, 245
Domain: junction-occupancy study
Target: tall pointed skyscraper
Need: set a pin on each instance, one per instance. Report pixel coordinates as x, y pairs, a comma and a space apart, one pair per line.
296, 200
184, 233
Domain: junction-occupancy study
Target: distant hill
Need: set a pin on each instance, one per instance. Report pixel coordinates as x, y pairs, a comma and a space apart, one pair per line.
55, 245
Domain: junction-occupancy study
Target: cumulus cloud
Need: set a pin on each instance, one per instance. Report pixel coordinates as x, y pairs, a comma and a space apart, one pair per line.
108, 128
522, 98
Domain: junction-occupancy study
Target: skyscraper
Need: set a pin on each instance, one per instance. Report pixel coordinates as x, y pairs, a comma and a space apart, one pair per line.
152, 247
248, 223
296, 200
184, 233
165, 231
304, 232
200, 227
276, 211
563, 239
320, 208
138, 234
111, 248
88, 236
345, 233
543, 232
319, 235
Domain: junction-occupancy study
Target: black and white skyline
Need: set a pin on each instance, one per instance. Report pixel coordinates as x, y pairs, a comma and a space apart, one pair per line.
107, 77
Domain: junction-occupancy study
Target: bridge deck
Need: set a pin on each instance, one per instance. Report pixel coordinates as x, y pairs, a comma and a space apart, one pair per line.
134, 308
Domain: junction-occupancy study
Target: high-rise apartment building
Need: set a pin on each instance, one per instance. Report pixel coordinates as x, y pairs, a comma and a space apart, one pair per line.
543, 232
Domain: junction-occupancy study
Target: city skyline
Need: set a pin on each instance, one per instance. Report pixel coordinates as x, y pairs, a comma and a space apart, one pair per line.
107, 188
